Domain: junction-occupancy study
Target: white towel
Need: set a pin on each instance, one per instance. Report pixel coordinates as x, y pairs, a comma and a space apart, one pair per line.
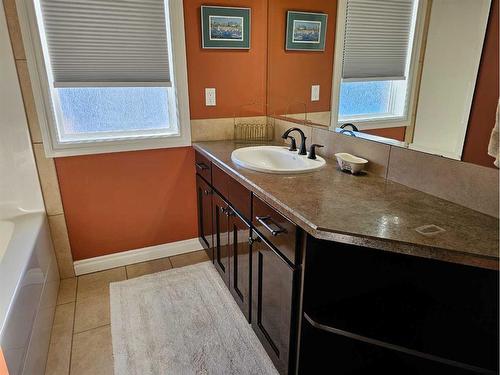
494, 146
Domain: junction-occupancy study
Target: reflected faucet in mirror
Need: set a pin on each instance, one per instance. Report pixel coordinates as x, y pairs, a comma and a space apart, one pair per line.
347, 131
353, 127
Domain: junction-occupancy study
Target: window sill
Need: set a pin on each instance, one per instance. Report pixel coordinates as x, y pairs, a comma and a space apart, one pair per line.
119, 145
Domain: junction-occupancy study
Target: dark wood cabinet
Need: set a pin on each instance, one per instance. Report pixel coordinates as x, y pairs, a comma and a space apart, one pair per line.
220, 219
360, 310
260, 275
240, 262
273, 303
204, 197
405, 314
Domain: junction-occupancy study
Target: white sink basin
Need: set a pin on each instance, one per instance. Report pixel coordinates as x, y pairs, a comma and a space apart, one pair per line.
275, 159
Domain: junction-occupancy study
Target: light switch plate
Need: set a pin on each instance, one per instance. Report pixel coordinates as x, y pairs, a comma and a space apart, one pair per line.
210, 100
314, 93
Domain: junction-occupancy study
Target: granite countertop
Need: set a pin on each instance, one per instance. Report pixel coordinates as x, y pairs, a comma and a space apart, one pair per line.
368, 210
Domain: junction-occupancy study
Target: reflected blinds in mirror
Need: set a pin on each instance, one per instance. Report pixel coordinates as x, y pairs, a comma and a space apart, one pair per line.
106, 42
377, 34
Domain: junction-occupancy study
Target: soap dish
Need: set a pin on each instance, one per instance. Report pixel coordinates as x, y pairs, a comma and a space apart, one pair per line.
351, 163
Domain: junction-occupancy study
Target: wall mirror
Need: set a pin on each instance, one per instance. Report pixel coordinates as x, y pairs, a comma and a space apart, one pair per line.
400, 72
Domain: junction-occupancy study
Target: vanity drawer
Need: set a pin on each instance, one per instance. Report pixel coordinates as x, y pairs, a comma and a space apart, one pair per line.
275, 228
203, 166
240, 198
220, 181
235, 193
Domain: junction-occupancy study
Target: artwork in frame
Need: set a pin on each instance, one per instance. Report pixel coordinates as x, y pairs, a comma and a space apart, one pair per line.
305, 31
225, 27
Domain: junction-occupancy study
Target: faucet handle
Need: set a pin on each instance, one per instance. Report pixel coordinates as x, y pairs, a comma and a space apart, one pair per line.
293, 144
312, 151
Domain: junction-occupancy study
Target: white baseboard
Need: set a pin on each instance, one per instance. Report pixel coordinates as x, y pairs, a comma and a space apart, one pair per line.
125, 258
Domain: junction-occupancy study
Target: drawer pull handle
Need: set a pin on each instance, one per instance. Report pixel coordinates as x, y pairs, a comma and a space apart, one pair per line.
274, 231
202, 166
252, 240
228, 211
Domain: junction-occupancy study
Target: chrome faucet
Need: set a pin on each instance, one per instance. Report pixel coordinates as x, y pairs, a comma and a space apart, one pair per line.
302, 148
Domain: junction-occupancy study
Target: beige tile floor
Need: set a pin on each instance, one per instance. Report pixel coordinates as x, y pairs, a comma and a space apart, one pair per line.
80, 342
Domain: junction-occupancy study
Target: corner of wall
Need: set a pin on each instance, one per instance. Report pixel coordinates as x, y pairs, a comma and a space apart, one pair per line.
45, 166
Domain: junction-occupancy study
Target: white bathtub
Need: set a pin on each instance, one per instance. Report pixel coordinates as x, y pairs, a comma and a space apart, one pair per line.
29, 281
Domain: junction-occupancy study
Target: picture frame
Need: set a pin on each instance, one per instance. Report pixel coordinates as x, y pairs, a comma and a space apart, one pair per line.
225, 27
305, 31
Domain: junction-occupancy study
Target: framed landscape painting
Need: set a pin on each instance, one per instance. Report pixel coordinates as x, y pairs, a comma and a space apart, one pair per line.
225, 27
305, 31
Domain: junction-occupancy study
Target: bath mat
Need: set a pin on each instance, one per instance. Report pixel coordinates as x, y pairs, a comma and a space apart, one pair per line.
182, 321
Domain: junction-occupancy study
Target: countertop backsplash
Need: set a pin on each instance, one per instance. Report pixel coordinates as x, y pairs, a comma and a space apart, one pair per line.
469, 185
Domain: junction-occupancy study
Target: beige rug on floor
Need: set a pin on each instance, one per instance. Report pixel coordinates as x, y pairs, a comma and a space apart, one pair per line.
182, 321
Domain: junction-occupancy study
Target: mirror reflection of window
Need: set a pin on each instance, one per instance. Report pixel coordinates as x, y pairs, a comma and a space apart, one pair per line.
377, 61
405, 71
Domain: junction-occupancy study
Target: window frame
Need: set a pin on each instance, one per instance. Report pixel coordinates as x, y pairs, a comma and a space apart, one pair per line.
385, 121
48, 110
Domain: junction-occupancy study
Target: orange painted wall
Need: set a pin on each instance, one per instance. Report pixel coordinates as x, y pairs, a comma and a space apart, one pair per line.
393, 133
3, 365
239, 76
128, 200
482, 115
291, 73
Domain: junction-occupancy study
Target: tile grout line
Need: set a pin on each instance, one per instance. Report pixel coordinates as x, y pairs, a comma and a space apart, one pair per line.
73, 328
50, 338
388, 163
90, 329
66, 303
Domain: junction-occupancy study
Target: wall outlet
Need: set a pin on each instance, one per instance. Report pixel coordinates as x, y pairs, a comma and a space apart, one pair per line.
314, 93
210, 97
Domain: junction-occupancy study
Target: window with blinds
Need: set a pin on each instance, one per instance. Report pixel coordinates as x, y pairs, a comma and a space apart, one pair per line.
376, 57
376, 40
106, 42
109, 69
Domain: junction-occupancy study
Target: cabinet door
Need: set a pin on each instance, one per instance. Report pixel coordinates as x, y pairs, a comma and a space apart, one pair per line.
220, 217
240, 259
273, 303
204, 196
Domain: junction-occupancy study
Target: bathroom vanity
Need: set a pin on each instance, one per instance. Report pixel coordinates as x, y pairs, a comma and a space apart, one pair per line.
331, 274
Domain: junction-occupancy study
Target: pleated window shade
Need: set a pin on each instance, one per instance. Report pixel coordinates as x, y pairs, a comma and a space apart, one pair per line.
377, 34
106, 43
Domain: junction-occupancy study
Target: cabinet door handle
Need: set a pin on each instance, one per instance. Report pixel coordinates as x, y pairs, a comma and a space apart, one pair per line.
227, 211
252, 240
207, 192
201, 166
264, 221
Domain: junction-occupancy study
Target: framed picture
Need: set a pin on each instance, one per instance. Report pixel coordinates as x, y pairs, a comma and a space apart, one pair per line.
305, 31
225, 27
